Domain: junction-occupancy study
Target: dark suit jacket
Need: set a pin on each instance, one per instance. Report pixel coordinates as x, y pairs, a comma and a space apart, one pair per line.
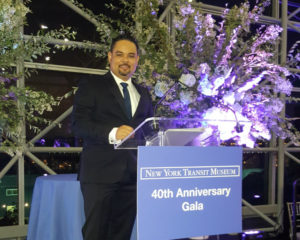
99, 107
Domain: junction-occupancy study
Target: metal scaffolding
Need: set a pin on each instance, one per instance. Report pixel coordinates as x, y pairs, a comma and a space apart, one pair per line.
271, 212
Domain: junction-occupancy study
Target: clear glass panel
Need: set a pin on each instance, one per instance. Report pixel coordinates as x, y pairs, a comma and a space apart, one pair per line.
157, 131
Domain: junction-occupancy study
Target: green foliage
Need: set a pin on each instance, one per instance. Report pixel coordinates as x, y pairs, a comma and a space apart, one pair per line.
10, 217
22, 104
157, 50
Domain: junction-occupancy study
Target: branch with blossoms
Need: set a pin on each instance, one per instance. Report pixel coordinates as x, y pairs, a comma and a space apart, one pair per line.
15, 48
293, 58
229, 73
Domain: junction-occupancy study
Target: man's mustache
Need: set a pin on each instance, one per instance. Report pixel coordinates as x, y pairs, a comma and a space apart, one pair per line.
125, 65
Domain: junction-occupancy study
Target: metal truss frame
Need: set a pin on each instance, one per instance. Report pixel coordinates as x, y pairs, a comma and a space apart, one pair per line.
271, 212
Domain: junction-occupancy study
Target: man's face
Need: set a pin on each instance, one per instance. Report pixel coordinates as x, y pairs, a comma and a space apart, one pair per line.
123, 59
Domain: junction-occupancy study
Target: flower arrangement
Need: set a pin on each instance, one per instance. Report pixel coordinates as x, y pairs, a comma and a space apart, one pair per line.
210, 68
225, 72
21, 103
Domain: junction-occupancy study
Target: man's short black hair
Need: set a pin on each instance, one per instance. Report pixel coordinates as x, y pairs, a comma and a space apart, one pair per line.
127, 37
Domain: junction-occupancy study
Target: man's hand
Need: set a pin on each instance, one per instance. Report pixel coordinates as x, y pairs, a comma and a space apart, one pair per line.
123, 131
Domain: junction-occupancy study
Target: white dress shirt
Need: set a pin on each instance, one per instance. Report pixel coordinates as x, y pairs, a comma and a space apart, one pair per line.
134, 100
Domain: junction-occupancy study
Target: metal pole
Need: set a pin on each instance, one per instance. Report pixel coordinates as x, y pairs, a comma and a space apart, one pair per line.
294, 13
280, 180
217, 11
272, 172
21, 142
8, 166
162, 17
297, 29
275, 9
80, 12
63, 68
51, 126
297, 160
55, 150
273, 156
265, 217
75, 44
294, 211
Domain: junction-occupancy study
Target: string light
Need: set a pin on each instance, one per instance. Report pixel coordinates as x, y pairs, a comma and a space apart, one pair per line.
43, 26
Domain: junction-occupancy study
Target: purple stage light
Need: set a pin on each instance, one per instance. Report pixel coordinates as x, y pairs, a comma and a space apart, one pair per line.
42, 141
56, 143
252, 232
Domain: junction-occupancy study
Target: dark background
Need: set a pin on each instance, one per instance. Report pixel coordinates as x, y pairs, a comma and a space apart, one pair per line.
53, 14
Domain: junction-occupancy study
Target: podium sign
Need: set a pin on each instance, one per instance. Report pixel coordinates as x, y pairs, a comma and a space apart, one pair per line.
188, 192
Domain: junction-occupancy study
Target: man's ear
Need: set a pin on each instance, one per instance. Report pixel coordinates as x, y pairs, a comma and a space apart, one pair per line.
109, 56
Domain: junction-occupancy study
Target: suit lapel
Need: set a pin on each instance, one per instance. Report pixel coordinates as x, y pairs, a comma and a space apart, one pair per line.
114, 89
140, 104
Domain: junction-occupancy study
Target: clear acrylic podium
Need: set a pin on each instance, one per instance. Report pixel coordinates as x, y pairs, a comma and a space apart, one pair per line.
158, 131
182, 167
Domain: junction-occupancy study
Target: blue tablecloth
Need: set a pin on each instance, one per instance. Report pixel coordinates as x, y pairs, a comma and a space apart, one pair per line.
57, 209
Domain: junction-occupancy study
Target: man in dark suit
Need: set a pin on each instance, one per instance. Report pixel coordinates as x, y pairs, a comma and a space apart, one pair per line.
105, 112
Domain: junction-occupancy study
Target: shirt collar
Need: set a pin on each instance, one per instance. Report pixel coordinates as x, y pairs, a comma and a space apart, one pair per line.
119, 80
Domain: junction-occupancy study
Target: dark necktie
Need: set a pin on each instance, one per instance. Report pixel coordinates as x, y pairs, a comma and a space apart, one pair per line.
127, 99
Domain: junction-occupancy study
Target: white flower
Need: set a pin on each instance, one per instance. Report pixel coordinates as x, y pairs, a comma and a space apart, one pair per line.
205, 87
187, 97
260, 130
203, 68
226, 122
275, 105
218, 82
187, 10
229, 98
283, 85
188, 79
160, 88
